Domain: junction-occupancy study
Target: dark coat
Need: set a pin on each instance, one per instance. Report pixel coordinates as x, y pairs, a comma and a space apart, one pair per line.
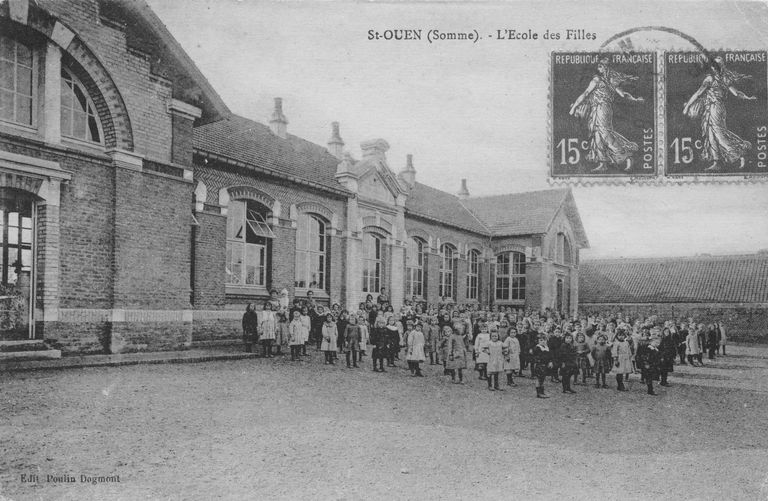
250, 325
541, 360
648, 359
667, 353
566, 360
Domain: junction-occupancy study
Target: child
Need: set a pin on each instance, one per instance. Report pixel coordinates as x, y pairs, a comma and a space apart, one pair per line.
481, 354
432, 337
281, 334
601, 354
512, 355
380, 347
268, 326
648, 359
393, 341
622, 358
365, 336
329, 333
250, 327
296, 335
541, 359
692, 346
457, 355
306, 322
445, 336
415, 353
582, 358
352, 340
496, 354
566, 356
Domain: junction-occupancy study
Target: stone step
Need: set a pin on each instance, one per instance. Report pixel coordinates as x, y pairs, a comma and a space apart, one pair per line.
27, 349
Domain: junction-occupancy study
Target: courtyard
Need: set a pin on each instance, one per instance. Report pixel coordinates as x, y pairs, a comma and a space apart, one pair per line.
275, 429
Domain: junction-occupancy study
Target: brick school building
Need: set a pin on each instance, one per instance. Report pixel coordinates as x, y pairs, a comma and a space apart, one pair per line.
139, 213
732, 289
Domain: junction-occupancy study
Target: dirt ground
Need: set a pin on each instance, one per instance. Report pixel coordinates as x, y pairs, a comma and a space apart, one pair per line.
275, 429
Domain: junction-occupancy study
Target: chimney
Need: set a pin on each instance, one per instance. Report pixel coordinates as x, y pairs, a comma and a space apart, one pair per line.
463, 193
335, 143
375, 148
278, 123
408, 174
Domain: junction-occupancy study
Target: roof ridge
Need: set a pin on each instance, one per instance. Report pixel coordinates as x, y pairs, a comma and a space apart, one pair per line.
502, 195
716, 257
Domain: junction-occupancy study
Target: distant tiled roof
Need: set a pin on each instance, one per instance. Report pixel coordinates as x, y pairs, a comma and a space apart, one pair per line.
525, 213
718, 279
440, 206
252, 143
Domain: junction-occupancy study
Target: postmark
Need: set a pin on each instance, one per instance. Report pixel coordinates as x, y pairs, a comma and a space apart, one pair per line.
603, 114
716, 113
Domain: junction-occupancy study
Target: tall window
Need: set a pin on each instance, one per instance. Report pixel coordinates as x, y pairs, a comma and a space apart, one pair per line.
414, 268
311, 253
78, 114
564, 249
510, 276
447, 271
15, 82
249, 244
372, 262
473, 273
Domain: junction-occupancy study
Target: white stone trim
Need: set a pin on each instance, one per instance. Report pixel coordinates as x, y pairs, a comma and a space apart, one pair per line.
118, 315
126, 159
62, 35
35, 167
19, 10
180, 108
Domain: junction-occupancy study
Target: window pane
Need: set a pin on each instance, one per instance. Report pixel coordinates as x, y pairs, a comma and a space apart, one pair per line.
78, 124
26, 259
80, 101
24, 80
7, 75
66, 95
23, 55
235, 260
66, 121
6, 105
93, 130
6, 48
24, 110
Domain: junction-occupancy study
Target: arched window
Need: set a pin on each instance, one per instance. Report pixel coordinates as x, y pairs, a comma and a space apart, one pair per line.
473, 273
79, 119
16, 85
311, 253
414, 268
249, 244
372, 262
510, 276
447, 271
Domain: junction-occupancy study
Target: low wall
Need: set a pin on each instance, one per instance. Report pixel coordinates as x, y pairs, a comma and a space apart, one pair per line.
745, 322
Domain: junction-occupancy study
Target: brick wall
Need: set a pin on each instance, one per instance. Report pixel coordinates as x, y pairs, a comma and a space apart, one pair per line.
152, 241
744, 322
210, 257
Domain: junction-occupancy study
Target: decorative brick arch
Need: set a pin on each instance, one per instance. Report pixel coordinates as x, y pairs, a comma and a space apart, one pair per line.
509, 248
86, 66
249, 193
317, 209
420, 234
379, 222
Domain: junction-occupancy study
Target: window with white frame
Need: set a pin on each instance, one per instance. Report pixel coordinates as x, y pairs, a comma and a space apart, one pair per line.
79, 119
16, 96
372, 262
473, 273
447, 271
312, 242
510, 276
414, 268
249, 244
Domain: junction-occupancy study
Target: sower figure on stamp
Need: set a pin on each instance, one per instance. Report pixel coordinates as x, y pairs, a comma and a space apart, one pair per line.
595, 105
708, 105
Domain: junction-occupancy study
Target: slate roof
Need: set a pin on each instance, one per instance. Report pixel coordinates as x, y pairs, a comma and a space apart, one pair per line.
243, 140
525, 213
716, 279
440, 206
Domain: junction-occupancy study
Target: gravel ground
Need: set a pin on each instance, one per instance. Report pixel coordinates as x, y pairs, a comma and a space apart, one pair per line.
275, 429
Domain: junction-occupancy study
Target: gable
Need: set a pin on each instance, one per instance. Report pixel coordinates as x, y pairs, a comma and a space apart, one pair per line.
372, 185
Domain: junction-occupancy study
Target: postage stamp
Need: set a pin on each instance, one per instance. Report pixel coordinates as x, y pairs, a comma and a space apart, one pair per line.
716, 113
603, 114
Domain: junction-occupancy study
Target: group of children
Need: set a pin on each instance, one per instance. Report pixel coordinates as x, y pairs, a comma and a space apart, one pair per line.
496, 342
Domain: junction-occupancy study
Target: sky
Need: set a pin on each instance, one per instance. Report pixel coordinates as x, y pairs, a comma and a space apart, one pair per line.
471, 110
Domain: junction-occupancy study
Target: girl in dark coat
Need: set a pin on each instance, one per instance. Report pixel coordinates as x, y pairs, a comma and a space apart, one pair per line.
250, 327
542, 360
601, 354
380, 344
352, 340
648, 359
566, 357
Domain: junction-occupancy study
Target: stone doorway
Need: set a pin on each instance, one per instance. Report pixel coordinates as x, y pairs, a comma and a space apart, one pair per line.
17, 246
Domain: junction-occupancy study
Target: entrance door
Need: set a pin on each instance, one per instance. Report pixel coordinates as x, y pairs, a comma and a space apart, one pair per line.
16, 280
